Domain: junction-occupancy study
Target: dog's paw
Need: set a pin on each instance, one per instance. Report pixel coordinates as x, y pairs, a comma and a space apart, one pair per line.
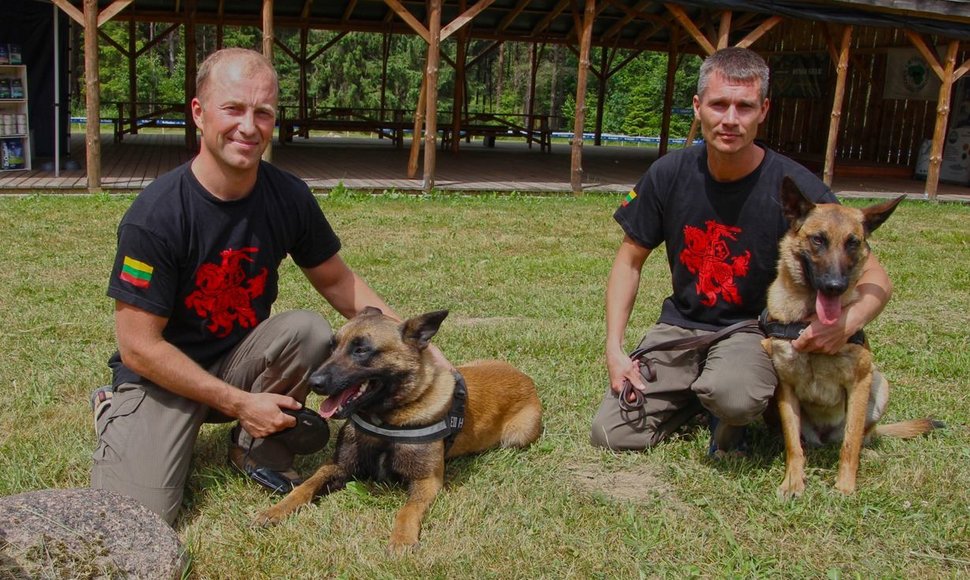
845, 487
791, 487
400, 548
266, 519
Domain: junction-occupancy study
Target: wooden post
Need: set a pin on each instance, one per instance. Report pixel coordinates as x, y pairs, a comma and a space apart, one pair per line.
92, 95
942, 113
385, 55
841, 73
302, 104
416, 136
530, 106
431, 90
458, 102
268, 34
586, 39
672, 61
191, 140
132, 78
603, 77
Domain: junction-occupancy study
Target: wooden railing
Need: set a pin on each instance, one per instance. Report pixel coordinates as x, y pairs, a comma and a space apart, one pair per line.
147, 114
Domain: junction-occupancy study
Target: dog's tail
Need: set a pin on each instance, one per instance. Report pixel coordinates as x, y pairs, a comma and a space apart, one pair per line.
908, 429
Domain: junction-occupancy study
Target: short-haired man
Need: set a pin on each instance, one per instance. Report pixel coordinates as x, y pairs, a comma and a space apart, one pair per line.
194, 279
715, 208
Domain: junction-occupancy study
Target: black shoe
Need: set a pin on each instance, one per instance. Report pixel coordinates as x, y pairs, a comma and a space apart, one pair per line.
281, 482
726, 439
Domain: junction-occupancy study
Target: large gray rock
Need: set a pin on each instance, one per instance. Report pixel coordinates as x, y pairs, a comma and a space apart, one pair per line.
85, 533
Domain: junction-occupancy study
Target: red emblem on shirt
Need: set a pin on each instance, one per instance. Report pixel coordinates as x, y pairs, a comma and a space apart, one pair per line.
224, 295
706, 254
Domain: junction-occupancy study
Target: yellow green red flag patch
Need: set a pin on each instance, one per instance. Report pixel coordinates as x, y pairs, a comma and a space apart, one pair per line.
629, 197
136, 273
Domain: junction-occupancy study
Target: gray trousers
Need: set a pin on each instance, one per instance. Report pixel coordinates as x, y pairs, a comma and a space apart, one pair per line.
146, 437
734, 380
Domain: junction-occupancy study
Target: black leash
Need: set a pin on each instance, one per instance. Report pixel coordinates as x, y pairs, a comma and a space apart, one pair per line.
631, 399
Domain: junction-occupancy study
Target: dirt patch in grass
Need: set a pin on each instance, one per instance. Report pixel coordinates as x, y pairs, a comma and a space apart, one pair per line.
640, 484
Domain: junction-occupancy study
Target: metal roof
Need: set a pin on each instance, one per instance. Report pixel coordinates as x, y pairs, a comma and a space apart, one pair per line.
638, 24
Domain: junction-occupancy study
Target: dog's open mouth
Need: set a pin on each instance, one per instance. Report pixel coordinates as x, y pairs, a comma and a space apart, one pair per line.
341, 404
828, 308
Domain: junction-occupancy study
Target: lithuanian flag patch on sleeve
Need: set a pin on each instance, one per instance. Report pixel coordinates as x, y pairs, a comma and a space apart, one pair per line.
136, 273
629, 197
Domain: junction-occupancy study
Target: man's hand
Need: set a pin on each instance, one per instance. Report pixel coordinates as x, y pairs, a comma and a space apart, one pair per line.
622, 368
823, 338
260, 414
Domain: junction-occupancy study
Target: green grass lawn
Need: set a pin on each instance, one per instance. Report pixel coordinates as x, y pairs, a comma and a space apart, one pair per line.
524, 280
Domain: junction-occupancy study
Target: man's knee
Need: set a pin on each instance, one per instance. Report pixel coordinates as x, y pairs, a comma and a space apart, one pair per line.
735, 403
305, 336
612, 430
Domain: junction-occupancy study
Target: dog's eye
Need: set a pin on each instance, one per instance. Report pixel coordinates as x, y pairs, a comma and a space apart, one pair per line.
852, 244
361, 350
818, 241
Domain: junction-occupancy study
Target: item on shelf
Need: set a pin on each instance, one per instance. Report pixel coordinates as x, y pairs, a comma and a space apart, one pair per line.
16, 88
4, 54
15, 54
7, 124
12, 154
4, 88
21, 124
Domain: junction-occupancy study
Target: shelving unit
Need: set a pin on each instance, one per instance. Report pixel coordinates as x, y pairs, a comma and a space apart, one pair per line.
14, 125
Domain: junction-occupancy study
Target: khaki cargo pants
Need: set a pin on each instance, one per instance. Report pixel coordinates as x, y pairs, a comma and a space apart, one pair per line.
146, 437
733, 379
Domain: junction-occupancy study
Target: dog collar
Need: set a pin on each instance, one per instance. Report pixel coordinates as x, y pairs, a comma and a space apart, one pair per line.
792, 330
446, 428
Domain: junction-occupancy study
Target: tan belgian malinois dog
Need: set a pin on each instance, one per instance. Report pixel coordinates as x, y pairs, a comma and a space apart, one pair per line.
406, 415
825, 398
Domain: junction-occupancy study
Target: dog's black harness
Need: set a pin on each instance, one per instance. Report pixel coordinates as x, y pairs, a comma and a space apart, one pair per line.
792, 330
446, 428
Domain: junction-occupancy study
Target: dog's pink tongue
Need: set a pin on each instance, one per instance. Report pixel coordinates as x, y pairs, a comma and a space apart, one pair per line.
828, 308
332, 404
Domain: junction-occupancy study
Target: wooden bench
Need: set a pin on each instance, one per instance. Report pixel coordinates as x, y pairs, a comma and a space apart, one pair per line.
489, 126
158, 115
341, 119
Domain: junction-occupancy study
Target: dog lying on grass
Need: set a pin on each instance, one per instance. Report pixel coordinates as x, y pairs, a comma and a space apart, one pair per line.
405, 414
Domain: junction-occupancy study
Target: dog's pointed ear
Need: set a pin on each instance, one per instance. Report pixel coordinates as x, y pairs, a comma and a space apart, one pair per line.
418, 331
794, 205
875, 215
370, 311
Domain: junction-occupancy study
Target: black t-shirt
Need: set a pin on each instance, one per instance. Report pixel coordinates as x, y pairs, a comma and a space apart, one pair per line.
211, 266
721, 238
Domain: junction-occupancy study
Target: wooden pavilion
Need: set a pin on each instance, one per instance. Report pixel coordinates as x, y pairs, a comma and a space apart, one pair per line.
835, 58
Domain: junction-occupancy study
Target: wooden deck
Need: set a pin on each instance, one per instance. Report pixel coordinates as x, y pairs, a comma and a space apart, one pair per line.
377, 165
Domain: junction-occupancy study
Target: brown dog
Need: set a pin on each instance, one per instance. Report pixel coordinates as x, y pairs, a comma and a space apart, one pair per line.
825, 398
405, 414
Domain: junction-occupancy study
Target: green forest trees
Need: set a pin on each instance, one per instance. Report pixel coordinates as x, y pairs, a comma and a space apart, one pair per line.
348, 74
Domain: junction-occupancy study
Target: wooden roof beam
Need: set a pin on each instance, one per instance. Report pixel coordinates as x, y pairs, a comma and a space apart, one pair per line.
724, 30
691, 28
928, 54
552, 15
105, 15
409, 19
349, 11
630, 14
760, 31
512, 15
464, 18
112, 10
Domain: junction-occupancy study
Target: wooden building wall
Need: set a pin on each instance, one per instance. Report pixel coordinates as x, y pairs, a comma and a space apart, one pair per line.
874, 131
